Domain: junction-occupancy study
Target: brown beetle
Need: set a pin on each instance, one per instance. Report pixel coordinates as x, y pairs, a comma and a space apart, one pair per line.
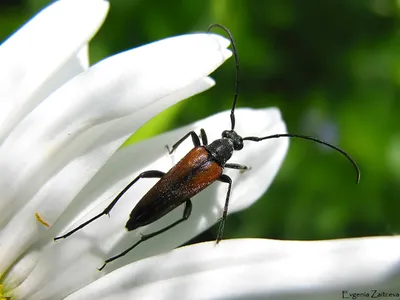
202, 166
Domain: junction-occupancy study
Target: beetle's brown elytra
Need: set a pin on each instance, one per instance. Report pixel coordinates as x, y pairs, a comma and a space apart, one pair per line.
188, 177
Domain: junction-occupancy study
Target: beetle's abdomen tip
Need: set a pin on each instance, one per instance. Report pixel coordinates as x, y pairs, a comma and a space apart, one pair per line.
131, 225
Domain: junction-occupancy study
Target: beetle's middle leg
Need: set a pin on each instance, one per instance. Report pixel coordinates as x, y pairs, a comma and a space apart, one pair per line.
186, 214
235, 166
106, 211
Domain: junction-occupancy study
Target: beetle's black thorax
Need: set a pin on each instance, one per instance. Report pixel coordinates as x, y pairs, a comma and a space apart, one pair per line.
222, 149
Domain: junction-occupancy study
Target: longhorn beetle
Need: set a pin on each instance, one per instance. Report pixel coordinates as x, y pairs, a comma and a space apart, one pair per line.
198, 169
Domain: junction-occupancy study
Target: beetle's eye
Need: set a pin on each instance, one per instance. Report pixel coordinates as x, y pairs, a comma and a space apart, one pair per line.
239, 144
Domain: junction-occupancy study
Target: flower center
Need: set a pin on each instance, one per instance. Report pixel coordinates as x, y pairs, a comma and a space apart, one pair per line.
1, 294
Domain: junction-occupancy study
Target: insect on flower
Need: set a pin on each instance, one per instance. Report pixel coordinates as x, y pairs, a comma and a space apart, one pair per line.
202, 166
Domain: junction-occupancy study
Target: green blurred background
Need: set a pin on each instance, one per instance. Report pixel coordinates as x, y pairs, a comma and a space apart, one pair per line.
332, 67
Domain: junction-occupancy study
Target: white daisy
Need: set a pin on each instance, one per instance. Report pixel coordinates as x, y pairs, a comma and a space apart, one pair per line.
61, 122
61, 127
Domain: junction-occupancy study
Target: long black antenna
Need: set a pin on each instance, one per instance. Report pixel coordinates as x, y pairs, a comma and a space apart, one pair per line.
274, 136
235, 95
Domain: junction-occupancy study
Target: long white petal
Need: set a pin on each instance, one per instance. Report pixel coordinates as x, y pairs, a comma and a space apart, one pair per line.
264, 158
258, 269
120, 86
151, 155
108, 237
75, 65
110, 234
30, 57
51, 200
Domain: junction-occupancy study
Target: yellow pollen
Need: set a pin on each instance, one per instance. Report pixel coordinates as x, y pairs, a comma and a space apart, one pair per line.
39, 218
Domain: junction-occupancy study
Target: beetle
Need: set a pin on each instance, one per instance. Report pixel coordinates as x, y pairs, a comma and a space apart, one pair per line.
199, 168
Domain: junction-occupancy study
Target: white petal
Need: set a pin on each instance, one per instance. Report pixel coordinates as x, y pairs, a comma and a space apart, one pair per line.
107, 236
118, 87
21, 269
59, 272
257, 269
56, 194
110, 235
30, 57
75, 65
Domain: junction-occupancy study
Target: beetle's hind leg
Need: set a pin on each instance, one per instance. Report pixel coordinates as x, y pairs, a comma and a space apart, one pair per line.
186, 214
224, 178
195, 140
106, 211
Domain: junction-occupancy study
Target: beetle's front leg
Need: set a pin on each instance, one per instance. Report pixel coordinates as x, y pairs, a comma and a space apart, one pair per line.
195, 140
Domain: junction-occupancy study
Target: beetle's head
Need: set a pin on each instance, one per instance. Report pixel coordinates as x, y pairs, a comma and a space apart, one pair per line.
236, 139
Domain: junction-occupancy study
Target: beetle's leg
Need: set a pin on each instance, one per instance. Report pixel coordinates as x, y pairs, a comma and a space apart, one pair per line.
203, 137
224, 178
195, 139
240, 167
186, 214
146, 174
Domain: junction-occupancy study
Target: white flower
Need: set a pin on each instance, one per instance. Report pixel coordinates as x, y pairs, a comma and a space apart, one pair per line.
61, 127
61, 124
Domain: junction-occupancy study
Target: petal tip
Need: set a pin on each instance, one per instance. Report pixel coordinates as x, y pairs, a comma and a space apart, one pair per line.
222, 41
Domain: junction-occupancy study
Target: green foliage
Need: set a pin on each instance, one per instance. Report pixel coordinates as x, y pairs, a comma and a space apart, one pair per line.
332, 67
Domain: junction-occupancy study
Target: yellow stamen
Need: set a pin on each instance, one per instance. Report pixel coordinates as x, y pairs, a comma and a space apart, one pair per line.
39, 218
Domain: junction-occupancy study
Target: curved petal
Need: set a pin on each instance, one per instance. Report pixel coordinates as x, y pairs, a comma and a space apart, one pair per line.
257, 269
58, 273
108, 237
53, 36
121, 86
264, 159
75, 65
54, 196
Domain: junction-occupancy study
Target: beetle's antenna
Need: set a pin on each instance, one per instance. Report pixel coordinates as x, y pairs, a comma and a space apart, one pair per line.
235, 95
258, 139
